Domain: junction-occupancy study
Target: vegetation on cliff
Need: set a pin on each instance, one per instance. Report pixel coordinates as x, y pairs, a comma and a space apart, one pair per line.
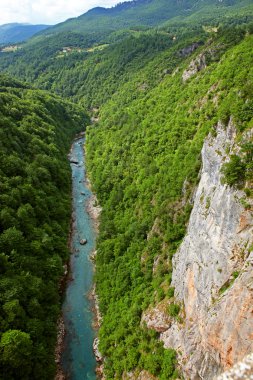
144, 159
157, 93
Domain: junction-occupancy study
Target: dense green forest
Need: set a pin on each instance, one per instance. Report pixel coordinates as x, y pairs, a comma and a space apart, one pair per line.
99, 62
139, 181
143, 157
101, 22
36, 131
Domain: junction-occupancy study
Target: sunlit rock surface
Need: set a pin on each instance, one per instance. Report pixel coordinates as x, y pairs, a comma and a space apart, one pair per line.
240, 371
212, 274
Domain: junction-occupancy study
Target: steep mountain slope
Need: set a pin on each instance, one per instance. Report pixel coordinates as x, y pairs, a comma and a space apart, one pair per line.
36, 130
212, 270
126, 15
53, 56
142, 13
91, 77
144, 159
11, 33
160, 97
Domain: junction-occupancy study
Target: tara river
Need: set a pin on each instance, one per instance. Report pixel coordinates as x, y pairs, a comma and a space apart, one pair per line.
78, 360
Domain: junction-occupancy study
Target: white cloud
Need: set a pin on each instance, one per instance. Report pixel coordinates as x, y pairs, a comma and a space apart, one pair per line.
46, 11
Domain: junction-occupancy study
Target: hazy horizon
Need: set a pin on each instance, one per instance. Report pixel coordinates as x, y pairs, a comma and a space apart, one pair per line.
48, 12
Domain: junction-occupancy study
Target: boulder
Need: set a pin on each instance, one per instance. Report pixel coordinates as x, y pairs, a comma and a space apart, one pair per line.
73, 161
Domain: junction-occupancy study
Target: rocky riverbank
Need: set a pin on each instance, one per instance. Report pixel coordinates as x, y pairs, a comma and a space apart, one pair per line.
59, 347
80, 196
94, 210
60, 323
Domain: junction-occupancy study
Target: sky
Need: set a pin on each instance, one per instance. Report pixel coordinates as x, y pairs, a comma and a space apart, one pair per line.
46, 11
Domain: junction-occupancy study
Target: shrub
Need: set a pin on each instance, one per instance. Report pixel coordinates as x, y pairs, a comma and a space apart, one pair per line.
173, 309
234, 171
171, 292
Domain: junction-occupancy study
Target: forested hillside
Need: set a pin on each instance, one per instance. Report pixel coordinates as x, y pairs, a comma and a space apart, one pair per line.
156, 87
101, 22
78, 60
145, 183
36, 131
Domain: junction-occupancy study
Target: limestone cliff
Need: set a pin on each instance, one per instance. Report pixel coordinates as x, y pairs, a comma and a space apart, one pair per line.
212, 272
240, 371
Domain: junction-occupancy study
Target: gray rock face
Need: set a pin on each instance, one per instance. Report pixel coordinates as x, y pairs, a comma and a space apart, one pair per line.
241, 371
196, 65
212, 272
157, 318
189, 49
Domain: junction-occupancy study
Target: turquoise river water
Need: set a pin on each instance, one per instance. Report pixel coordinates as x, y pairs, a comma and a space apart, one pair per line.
78, 360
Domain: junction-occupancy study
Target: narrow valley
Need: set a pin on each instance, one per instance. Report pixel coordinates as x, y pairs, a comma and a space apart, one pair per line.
78, 360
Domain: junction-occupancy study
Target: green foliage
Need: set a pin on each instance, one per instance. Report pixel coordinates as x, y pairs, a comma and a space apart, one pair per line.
36, 130
168, 366
16, 354
170, 292
235, 274
173, 309
240, 167
143, 158
144, 151
234, 171
141, 14
91, 76
229, 282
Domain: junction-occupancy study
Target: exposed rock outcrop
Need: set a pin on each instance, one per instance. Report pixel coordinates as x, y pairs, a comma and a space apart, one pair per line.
240, 371
143, 375
212, 272
92, 207
98, 355
58, 350
197, 64
157, 318
73, 161
189, 49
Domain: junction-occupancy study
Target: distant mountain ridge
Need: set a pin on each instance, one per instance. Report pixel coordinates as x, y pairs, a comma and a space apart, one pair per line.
140, 13
169, 145
16, 32
125, 14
